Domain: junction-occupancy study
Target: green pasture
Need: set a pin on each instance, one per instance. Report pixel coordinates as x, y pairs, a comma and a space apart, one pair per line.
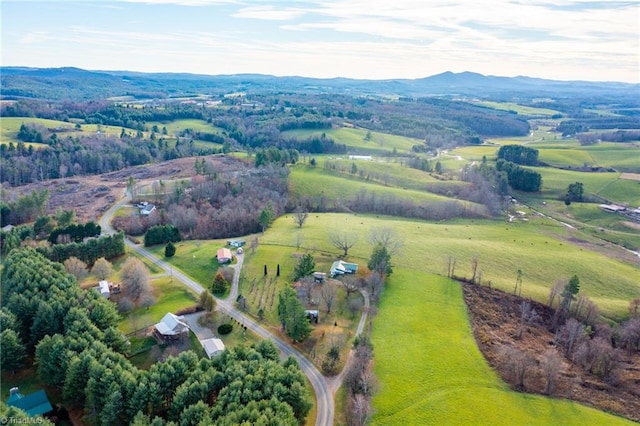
354, 139
196, 258
607, 185
538, 247
432, 373
520, 109
171, 296
391, 172
10, 126
316, 182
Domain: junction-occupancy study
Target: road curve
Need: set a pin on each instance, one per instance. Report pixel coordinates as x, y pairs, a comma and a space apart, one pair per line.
324, 395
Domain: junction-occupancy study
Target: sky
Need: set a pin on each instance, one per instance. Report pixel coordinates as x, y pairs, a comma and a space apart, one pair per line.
593, 40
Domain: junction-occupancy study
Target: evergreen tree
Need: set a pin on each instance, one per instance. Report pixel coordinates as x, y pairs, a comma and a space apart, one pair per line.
292, 315
380, 260
220, 284
305, 267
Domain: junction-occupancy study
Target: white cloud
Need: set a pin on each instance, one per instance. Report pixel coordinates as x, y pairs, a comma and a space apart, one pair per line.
269, 13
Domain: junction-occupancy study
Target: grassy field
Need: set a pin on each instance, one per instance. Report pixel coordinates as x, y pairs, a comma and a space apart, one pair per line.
539, 247
171, 296
354, 139
316, 182
520, 109
10, 126
432, 373
196, 258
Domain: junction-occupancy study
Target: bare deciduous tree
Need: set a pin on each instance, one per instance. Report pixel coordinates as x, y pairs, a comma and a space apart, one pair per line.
343, 241
102, 269
555, 291
375, 283
388, 238
570, 335
328, 295
630, 335
300, 216
551, 367
359, 410
350, 283
308, 284
76, 267
585, 310
474, 268
528, 316
134, 276
518, 363
634, 308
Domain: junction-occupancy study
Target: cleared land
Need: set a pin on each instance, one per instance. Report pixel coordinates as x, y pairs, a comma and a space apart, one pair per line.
520, 109
433, 373
356, 142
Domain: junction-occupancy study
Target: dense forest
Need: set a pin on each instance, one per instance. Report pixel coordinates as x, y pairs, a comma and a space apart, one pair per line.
259, 121
72, 334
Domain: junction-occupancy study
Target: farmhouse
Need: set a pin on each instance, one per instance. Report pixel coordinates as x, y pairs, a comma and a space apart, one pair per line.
212, 346
34, 404
340, 267
224, 255
171, 326
236, 243
147, 209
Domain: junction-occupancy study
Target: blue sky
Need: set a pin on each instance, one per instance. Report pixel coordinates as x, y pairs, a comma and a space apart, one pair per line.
376, 39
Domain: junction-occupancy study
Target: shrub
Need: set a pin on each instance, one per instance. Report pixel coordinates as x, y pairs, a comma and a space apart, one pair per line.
225, 329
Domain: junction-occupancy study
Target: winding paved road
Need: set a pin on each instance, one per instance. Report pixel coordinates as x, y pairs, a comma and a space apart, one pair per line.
324, 395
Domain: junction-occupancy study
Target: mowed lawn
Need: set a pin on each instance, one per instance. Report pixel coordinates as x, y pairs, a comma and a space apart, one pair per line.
432, 373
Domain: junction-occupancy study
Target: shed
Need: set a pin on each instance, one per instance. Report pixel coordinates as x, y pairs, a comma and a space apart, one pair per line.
212, 346
319, 277
34, 404
104, 288
224, 255
171, 325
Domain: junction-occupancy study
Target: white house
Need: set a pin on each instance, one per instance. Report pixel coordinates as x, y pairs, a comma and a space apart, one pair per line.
340, 267
147, 209
104, 288
212, 346
171, 325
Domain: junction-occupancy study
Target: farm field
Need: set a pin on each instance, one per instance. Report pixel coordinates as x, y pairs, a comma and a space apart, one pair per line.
354, 139
540, 248
433, 373
317, 182
520, 109
10, 126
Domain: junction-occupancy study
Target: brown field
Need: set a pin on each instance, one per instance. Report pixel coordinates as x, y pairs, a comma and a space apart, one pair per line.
630, 176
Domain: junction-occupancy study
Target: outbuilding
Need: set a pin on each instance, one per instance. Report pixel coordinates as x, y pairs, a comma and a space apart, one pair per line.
213, 346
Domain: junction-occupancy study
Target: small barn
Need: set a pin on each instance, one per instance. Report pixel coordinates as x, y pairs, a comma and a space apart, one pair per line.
213, 346
319, 277
171, 327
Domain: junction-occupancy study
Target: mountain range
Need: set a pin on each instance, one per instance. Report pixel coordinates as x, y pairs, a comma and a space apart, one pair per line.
70, 83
